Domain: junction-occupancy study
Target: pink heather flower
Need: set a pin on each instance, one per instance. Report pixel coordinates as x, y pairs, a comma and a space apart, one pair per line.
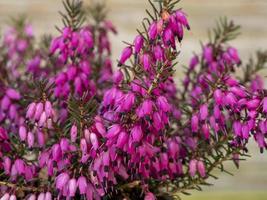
32, 197
137, 133
150, 196
245, 131
41, 138
6, 196
208, 54
153, 31
48, 109
122, 139
145, 108
72, 187
20, 166
38, 111
159, 53
83, 146
3, 134
13, 94
48, 196
7, 165
42, 119
146, 62
41, 196
30, 139
128, 101
264, 104
194, 62
100, 128
28, 30
234, 55
168, 37
201, 168
203, 112
13, 197
56, 152
138, 43
253, 104
237, 128
192, 167
218, 97
5, 103
106, 158
163, 104
64, 144
206, 131
94, 141
73, 133
82, 184
257, 84
230, 99
181, 17
194, 123
113, 131
118, 77
126, 54
61, 180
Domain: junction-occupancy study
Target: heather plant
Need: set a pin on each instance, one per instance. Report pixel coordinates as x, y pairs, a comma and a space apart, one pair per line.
71, 128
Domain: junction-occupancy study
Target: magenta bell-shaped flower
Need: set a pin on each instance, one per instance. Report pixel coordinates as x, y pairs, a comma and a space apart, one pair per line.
218, 97
32, 197
20, 166
122, 139
30, 139
5, 103
126, 54
264, 104
113, 131
194, 123
41, 196
31, 110
163, 104
22, 133
72, 185
61, 180
192, 167
3, 134
73, 133
118, 77
138, 43
82, 184
13, 197
201, 168
153, 31
7, 165
13, 94
56, 152
6, 196
150, 196
146, 62
137, 133
203, 112
48, 196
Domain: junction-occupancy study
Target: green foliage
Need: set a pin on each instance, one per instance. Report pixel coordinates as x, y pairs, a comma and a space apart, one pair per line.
74, 16
81, 112
97, 11
254, 66
41, 90
225, 31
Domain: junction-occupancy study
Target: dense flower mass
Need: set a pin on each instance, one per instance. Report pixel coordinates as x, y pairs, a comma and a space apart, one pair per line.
71, 128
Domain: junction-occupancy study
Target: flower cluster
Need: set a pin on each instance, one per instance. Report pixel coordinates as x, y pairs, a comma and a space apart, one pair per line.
76, 130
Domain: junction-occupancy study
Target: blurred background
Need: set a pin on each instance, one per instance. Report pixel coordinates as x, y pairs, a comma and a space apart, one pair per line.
250, 182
